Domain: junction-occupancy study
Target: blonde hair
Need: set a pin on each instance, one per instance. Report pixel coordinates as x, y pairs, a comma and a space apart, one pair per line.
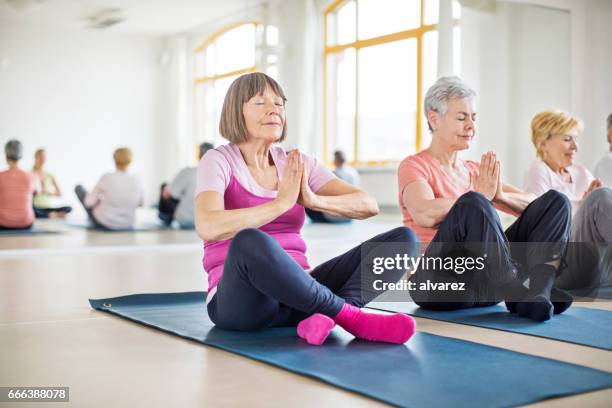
551, 122
122, 157
232, 125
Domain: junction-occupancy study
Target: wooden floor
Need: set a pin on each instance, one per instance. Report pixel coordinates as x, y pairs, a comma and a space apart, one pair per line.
49, 336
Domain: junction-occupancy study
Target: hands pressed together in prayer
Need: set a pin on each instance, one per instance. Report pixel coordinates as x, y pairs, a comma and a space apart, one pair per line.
293, 187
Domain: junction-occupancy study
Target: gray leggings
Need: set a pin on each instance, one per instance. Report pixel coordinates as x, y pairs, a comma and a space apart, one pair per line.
589, 253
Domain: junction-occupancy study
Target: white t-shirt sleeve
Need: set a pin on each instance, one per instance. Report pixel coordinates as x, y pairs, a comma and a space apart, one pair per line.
213, 173
537, 180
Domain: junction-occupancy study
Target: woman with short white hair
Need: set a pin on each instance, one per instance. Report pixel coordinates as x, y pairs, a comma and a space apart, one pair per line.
451, 202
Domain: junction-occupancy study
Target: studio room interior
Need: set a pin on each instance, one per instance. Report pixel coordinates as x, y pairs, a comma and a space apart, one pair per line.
306, 203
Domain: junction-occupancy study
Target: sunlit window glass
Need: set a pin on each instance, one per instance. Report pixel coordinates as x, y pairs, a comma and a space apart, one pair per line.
381, 17
387, 103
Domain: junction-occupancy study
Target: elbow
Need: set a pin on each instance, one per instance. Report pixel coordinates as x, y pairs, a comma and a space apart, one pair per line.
205, 232
373, 209
424, 221
203, 228
205, 235
208, 231
370, 208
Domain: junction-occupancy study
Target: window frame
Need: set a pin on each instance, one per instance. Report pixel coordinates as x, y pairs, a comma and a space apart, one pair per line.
199, 80
415, 33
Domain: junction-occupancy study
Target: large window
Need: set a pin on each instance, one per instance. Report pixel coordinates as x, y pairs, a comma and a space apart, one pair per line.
380, 56
219, 60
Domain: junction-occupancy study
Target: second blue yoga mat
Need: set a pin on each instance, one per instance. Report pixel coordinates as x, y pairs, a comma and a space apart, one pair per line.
579, 325
429, 371
30, 231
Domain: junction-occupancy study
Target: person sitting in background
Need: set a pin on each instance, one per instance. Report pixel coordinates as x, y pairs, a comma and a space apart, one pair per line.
554, 135
45, 201
112, 203
603, 169
344, 173
16, 190
177, 198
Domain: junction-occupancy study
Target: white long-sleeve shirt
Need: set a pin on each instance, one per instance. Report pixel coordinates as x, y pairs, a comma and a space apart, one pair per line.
540, 178
115, 199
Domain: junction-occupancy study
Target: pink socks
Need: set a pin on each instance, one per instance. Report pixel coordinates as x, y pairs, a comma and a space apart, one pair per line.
316, 328
396, 328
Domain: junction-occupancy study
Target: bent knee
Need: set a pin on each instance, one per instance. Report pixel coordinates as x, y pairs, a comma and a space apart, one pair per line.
475, 202
250, 241
558, 200
403, 234
474, 198
600, 196
248, 236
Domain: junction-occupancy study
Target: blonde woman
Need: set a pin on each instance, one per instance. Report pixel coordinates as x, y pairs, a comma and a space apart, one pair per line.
554, 135
113, 201
46, 203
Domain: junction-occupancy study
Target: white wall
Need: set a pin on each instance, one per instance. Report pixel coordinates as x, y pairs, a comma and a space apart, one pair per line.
80, 94
518, 66
597, 83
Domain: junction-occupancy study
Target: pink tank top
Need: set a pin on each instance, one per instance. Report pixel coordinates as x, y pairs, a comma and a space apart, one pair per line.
223, 170
285, 229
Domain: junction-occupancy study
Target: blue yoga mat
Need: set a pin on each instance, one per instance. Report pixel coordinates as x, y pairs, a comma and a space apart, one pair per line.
580, 325
138, 228
429, 371
30, 231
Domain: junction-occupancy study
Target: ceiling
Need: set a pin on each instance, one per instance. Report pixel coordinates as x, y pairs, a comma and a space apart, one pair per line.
157, 17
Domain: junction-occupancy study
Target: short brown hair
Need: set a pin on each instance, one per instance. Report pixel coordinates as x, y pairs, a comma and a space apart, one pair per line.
551, 122
122, 156
232, 125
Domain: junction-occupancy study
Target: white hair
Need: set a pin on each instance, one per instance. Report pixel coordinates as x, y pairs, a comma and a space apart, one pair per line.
609, 122
445, 89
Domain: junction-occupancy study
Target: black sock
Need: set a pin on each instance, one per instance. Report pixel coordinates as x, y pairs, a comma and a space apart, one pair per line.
513, 293
560, 299
537, 304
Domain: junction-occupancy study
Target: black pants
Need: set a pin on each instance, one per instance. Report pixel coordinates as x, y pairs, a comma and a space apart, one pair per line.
45, 212
16, 229
81, 193
472, 229
166, 207
262, 286
319, 216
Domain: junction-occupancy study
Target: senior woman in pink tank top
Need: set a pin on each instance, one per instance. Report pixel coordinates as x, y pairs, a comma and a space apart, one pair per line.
250, 200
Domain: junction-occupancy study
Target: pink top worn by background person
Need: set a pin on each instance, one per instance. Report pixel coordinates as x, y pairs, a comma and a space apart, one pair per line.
16, 192
424, 167
223, 170
540, 178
